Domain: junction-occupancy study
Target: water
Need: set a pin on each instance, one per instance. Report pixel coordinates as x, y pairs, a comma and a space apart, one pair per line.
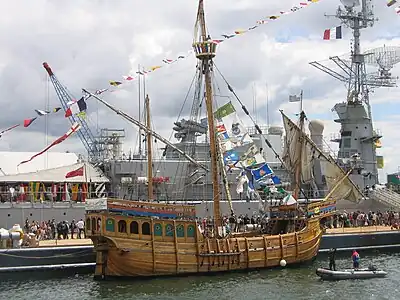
290, 283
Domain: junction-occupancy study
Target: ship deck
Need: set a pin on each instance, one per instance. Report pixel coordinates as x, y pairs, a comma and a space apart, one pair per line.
329, 231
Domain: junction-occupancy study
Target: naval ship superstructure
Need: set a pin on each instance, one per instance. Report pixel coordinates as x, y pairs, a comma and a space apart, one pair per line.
127, 173
358, 140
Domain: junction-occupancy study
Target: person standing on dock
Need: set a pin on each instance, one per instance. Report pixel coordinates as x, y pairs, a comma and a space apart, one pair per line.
81, 228
356, 259
332, 257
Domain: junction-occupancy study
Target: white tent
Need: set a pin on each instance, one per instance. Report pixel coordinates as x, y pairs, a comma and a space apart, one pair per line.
9, 161
58, 175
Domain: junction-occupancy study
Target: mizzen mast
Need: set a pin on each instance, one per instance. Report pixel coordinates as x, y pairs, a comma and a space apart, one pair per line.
205, 49
297, 181
149, 152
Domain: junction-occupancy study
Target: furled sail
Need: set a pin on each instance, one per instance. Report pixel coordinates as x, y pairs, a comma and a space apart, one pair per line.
347, 190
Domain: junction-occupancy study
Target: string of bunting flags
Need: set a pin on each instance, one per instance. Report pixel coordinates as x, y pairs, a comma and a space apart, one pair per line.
79, 107
397, 7
224, 37
28, 122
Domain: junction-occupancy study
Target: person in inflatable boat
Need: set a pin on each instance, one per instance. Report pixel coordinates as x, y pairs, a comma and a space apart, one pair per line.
356, 259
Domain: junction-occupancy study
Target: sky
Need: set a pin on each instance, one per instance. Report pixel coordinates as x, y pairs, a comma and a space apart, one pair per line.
87, 43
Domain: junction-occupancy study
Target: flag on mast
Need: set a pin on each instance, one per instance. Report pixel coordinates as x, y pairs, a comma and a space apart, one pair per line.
294, 98
75, 173
334, 33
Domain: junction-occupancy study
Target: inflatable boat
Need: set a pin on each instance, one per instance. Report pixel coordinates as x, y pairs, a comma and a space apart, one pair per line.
371, 272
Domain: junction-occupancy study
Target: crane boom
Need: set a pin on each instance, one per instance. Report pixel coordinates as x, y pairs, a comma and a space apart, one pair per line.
146, 129
85, 135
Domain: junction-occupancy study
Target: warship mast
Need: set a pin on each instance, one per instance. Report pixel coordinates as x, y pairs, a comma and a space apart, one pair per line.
205, 50
357, 136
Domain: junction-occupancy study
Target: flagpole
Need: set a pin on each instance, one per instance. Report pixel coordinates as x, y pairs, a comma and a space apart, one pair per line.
85, 173
301, 101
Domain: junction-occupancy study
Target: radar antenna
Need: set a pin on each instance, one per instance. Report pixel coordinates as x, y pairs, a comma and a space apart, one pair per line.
385, 58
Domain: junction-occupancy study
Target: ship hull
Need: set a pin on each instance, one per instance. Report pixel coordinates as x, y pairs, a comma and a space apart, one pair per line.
148, 256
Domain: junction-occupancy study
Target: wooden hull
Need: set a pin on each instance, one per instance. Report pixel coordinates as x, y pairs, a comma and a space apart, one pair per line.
145, 256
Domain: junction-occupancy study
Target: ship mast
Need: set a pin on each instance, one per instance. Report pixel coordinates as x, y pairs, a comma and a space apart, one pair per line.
297, 181
205, 50
149, 152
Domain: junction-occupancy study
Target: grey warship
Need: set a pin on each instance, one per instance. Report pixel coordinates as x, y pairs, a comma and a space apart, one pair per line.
357, 139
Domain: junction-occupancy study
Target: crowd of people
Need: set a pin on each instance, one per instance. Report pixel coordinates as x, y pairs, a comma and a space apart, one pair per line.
359, 219
51, 229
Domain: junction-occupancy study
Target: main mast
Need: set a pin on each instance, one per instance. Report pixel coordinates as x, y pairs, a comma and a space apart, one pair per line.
149, 152
205, 51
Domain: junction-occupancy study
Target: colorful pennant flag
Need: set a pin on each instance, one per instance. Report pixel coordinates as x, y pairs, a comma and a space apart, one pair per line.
99, 92
74, 128
115, 83
391, 2
76, 108
28, 122
9, 129
42, 112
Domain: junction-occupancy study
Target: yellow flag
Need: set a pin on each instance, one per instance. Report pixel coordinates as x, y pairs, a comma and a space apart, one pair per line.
378, 144
379, 162
240, 31
81, 114
155, 68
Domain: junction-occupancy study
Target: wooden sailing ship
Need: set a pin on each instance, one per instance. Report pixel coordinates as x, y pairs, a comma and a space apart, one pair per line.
141, 239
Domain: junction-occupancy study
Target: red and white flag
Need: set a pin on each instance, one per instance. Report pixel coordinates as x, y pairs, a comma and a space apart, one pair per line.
74, 128
75, 173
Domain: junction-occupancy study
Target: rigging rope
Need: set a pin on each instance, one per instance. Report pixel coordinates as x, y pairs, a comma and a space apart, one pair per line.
258, 129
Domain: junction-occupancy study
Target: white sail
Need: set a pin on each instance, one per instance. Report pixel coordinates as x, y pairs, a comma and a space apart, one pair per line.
347, 190
292, 155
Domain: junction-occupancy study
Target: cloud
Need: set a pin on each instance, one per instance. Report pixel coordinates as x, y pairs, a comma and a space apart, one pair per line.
89, 43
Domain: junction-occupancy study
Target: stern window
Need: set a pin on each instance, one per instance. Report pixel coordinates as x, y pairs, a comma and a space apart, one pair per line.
122, 226
134, 227
146, 228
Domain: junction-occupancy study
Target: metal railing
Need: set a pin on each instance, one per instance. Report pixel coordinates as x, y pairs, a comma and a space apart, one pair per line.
386, 196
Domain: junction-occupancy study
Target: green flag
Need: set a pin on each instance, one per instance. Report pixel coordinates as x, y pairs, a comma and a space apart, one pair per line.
224, 111
281, 190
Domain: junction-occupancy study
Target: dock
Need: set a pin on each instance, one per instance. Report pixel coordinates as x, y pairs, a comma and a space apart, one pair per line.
360, 230
67, 242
